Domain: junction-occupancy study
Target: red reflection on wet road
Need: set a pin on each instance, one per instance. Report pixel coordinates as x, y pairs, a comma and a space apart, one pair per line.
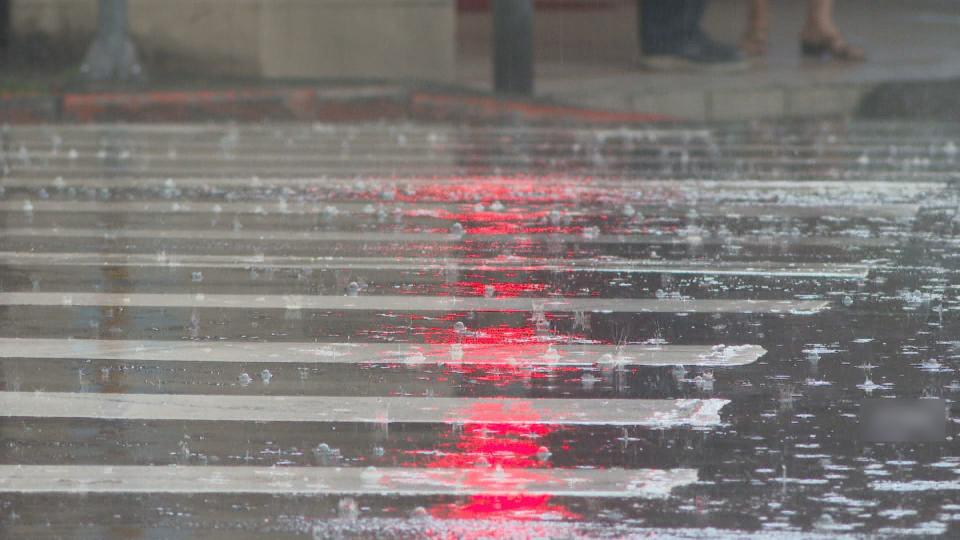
503, 439
501, 289
500, 435
519, 507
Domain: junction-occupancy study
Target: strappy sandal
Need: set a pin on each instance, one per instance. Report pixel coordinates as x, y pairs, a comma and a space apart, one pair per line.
834, 47
754, 43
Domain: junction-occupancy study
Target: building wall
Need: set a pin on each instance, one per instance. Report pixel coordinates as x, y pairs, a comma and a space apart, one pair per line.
602, 31
411, 39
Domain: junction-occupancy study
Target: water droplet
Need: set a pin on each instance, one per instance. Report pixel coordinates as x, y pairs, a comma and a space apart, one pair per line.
419, 513
347, 509
353, 289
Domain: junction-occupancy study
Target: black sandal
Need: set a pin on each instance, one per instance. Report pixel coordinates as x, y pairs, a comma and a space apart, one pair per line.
832, 47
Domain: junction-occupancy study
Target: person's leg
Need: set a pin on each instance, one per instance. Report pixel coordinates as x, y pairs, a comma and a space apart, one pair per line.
819, 23
662, 25
821, 36
671, 38
754, 40
692, 15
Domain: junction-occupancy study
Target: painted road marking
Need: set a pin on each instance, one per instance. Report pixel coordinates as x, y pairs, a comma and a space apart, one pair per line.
409, 303
316, 237
520, 354
656, 413
433, 209
514, 264
403, 481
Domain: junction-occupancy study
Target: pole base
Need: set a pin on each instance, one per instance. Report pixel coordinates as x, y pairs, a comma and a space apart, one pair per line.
112, 60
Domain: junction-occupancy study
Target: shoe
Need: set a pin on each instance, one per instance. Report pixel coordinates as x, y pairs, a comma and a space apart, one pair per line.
833, 47
700, 52
754, 43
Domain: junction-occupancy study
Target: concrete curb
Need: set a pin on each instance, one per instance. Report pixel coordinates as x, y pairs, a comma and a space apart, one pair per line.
348, 103
928, 99
933, 101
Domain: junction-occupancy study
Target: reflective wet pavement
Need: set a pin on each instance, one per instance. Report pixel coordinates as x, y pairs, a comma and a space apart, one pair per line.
399, 331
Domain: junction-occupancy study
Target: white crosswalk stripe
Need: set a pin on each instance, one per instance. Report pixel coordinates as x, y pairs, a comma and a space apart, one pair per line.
515, 264
374, 410
520, 354
646, 483
410, 303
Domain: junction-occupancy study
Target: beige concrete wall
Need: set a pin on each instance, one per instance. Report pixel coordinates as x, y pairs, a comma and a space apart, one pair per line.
607, 35
414, 39
408, 39
69, 21
212, 36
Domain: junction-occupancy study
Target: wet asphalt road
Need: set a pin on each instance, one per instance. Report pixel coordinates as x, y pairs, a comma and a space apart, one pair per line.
605, 333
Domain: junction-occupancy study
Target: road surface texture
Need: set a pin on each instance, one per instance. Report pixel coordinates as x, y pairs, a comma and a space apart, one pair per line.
396, 331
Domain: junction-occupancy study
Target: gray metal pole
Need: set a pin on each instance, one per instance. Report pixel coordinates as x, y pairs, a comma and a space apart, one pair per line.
112, 56
513, 46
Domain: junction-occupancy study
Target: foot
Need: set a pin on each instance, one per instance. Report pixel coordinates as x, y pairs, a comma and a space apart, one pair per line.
753, 45
699, 52
829, 43
754, 42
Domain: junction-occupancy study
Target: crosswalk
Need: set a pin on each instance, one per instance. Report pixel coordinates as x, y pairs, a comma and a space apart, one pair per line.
492, 432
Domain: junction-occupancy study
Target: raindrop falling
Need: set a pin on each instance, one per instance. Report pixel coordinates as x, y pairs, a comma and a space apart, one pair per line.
419, 513
348, 509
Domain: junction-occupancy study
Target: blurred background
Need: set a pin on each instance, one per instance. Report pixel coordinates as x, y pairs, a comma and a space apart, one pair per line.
582, 52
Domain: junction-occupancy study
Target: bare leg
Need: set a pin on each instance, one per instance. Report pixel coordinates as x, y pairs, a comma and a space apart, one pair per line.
754, 40
819, 24
821, 36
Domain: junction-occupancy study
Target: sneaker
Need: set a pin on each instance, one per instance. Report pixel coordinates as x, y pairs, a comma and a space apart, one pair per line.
700, 52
